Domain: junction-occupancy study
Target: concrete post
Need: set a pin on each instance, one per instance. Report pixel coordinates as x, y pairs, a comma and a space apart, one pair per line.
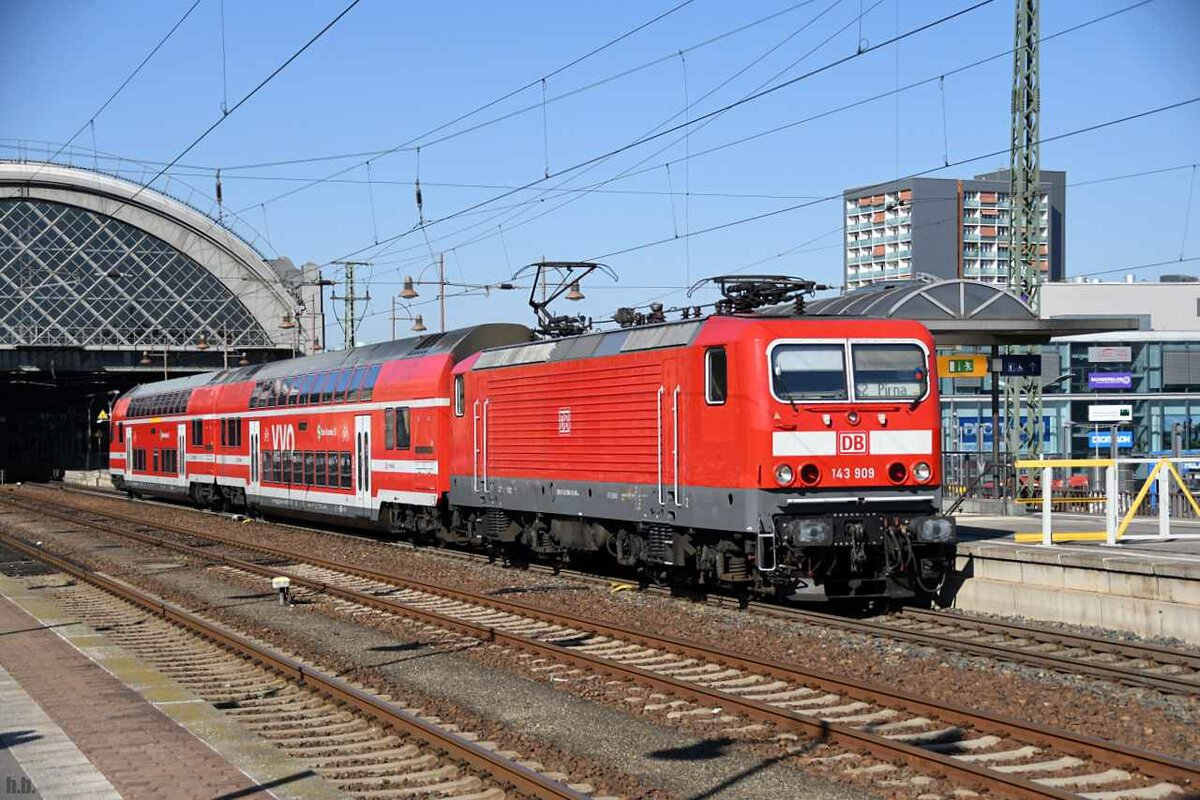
1110, 504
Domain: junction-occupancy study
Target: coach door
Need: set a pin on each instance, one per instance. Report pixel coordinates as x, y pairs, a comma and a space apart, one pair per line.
670, 429
362, 460
181, 458
255, 458
128, 450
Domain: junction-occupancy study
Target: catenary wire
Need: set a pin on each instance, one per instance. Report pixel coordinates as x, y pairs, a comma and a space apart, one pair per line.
777, 129
643, 140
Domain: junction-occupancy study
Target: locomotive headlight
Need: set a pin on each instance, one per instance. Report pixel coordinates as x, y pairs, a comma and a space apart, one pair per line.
805, 531
934, 530
784, 475
922, 472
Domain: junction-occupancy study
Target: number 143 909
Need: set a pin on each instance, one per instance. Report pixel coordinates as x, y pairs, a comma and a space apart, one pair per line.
855, 473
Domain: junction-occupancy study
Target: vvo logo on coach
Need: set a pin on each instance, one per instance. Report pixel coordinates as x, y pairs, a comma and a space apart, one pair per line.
851, 443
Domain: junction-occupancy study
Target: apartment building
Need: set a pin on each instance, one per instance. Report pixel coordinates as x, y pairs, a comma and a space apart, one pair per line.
945, 227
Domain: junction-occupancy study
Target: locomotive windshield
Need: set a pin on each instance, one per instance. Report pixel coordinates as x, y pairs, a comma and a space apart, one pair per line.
809, 372
888, 371
817, 371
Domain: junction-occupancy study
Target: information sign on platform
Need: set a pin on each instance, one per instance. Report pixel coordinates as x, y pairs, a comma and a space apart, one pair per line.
1104, 439
1110, 413
962, 366
1029, 366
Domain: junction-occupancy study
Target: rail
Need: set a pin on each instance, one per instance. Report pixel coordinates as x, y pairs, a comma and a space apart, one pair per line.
1105, 752
522, 778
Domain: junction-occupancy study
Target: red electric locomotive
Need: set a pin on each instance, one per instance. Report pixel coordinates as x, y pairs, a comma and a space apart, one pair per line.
792, 457
795, 457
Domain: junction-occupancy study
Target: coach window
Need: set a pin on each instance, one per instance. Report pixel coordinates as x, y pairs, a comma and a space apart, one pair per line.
326, 388
304, 382
716, 376
389, 430
368, 387
460, 395
346, 484
403, 432
197, 432
320, 456
343, 381
121, 432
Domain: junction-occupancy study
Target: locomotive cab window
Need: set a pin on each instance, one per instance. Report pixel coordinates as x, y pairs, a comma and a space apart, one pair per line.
197, 432
889, 371
809, 372
460, 395
716, 376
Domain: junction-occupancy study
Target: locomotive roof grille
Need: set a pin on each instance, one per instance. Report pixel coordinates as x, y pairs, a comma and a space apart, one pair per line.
592, 345
660, 336
511, 356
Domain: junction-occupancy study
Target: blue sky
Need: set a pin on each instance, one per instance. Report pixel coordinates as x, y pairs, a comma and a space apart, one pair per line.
389, 72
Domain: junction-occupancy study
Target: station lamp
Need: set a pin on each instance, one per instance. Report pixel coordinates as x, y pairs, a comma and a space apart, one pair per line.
574, 293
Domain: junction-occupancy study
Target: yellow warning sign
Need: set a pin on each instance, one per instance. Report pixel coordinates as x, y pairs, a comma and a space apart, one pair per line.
102, 416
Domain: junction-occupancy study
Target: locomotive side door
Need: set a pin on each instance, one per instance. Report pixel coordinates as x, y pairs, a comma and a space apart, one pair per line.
255, 458
362, 460
181, 463
671, 490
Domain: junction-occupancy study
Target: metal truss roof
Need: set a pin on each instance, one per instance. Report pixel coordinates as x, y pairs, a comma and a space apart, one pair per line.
95, 262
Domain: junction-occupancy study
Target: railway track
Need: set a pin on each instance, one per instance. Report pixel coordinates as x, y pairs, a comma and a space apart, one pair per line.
1005, 755
1163, 669
358, 742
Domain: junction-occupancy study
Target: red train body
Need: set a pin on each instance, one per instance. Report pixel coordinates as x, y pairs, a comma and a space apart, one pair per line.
795, 457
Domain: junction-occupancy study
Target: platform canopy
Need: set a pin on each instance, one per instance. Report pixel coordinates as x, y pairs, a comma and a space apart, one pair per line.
959, 312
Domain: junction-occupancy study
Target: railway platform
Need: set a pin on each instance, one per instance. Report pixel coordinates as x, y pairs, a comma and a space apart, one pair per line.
83, 718
1151, 588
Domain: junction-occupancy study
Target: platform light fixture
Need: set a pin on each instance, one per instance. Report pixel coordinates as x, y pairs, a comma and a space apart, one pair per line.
202, 343
408, 292
419, 324
575, 293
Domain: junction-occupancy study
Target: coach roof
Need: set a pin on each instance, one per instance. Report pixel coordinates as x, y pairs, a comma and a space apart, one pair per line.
458, 343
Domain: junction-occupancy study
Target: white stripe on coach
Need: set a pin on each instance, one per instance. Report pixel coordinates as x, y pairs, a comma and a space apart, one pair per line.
408, 466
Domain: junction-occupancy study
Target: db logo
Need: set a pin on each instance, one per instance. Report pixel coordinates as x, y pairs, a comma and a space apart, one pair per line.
564, 422
852, 443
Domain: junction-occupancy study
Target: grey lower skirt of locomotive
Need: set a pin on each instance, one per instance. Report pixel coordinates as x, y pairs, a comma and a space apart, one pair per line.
859, 549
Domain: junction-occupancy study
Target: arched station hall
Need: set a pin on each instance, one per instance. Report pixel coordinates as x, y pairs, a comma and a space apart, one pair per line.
105, 284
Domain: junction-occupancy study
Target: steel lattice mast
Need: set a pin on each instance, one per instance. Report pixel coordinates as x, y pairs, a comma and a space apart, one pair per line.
1024, 394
